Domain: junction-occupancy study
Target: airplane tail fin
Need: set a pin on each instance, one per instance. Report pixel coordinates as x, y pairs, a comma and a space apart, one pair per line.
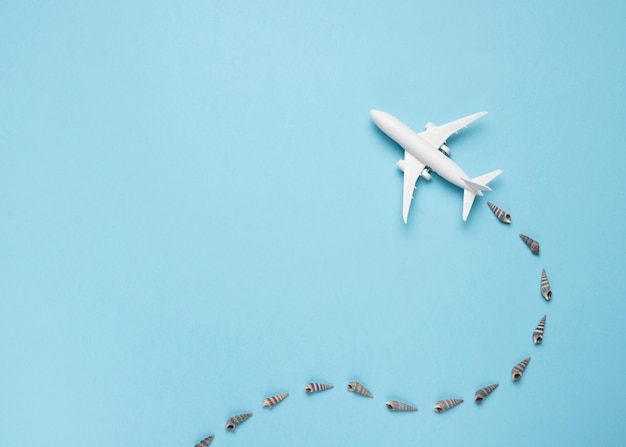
476, 186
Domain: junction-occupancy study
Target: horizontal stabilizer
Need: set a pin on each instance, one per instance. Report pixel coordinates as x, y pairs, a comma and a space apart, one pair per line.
480, 183
486, 178
468, 201
476, 186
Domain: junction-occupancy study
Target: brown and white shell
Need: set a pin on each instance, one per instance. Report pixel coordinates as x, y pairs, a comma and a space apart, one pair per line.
482, 393
518, 370
273, 400
316, 387
532, 244
232, 423
206, 441
446, 404
356, 387
546, 291
394, 405
538, 333
502, 215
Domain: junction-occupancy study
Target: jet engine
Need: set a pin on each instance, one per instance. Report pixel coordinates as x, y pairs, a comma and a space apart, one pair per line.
445, 149
400, 165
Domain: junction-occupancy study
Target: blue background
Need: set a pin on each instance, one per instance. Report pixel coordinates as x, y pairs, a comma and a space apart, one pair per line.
197, 212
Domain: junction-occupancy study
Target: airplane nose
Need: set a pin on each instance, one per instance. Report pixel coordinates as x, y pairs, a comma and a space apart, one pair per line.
378, 117
374, 114
382, 119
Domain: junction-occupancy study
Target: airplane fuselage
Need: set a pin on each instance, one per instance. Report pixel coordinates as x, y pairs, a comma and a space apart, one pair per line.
421, 149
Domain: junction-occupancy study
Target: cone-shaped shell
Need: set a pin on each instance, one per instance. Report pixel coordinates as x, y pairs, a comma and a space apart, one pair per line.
443, 405
532, 244
518, 370
502, 215
358, 388
232, 423
538, 334
482, 393
315, 387
273, 400
394, 405
206, 441
545, 286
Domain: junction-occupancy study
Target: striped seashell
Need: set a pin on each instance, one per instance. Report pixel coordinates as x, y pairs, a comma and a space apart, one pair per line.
206, 441
273, 400
232, 423
394, 405
532, 244
538, 334
518, 369
446, 404
482, 393
502, 215
546, 291
358, 388
315, 387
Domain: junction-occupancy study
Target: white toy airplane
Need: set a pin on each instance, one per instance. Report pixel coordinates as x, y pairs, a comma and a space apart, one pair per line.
426, 151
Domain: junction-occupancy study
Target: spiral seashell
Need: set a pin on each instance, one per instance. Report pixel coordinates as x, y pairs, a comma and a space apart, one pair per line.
315, 387
358, 388
538, 334
532, 244
482, 393
545, 286
232, 423
502, 215
394, 405
206, 441
273, 400
518, 369
446, 404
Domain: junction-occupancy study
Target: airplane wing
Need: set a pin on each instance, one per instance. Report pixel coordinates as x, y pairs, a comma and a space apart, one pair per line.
437, 135
412, 170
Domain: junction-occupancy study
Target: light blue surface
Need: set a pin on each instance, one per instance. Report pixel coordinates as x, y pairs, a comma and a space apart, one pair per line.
196, 212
